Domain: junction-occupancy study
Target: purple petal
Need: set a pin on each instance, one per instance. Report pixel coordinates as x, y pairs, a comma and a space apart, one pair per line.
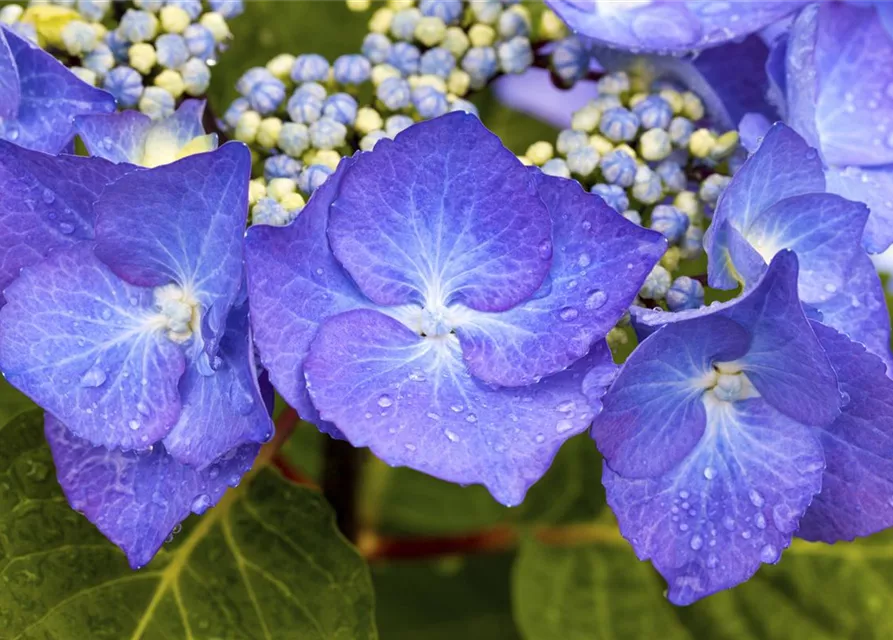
668, 26
295, 283
783, 166
224, 410
46, 203
859, 310
654, 415
444, 214
732, 504
137, 498
752, 130
854, 75
81, 343
184, 223
874, 187
599, 263
9, 80
412, 402
534, 93
50, 98
800, 78
118, 137
857, 487
785, 363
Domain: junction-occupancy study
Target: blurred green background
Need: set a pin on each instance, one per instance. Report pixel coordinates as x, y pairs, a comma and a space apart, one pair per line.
554, 568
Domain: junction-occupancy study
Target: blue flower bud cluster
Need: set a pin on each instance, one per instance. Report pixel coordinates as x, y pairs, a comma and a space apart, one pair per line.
159, 52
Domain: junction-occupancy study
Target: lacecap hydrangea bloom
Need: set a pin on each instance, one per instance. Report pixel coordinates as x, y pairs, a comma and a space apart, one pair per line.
444, 305
132, 332
40, 98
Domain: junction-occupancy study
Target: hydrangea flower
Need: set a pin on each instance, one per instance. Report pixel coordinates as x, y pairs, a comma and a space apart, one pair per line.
440, 303
131, 136
669, 26
777, 201
136, 339
39, 97
734, 427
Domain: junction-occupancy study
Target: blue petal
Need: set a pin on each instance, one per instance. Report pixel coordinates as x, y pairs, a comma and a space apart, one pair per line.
857, 487
669, 26
859, 310
785, 362
732, 504
182, 222
853, 73
752, 130
776, 72
874, 187
783, 166
118, 137
444, 213
46, 203
294, 283
223, 410
800, 78
599, 263
412, 402
81, 343
50, 98
653, 414
534, 93
136, 499
9, 80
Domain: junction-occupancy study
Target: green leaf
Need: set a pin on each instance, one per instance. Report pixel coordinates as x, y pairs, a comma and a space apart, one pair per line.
267, 562
445, 599
599, 590
12, 402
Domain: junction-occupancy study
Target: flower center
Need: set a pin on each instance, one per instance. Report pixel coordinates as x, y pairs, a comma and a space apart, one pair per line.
178, 310
729, 384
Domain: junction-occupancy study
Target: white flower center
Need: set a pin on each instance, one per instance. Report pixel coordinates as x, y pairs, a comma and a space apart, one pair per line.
178, 310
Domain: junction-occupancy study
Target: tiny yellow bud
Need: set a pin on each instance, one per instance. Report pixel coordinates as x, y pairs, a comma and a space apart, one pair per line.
458, 82
701, 143
527, 162
280, 66
428, 80
400, 5
481, 35
382, 72
616, 338
430, 31
689, 204
358, 6
292, 201
174, 19
655, 145
692, 107
551, 26
380, 22
670, 260
268, 132
455, 41
246, 127
328, 158
601, 144
142, 57
257, 189
675, 100
85, 74
278, 188
171, 81
725, 145
368, 120
636, 98
540, 152
586, 119
216, 24
48, 21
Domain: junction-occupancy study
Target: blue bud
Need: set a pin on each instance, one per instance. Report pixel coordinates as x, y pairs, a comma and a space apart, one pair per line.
227, 8
570, 60
294, 139
282, 166
310, 67
712, 187
193, 8
619, 168
511, 24
450, 11
368, 141
352, 69
404, 23
693, 243
268, 211
94, 10
571, 140
200, 41
460, 104
196, 76
137, 26
396, 124
656, 284
341, 107
685, 294
647, 187
376, 47
672, 175
327, 133
486, 11
157, 103
126, 84
314, 89
312, 177
680, 131
556, 167
304, 106
437, 62
404, 57
618, 124
394, 93
429, 102
582, 161
669, 221
516, 55
613, 84
613, 195
171, 50
118, 45
234, 112
100, 60
264, 91
480, 64
654, 112
149, 5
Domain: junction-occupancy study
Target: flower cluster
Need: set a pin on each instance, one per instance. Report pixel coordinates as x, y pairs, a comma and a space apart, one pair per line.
148, 56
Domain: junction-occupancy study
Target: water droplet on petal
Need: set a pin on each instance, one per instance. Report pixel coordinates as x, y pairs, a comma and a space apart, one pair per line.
471, 418
584, 260
759, 521
545, 249
596, 299
450, 435
729, 523
568, 313
66, 228
201, 504
385, 401
756, 498
769, 554
696, 542
143, 409
94, 377
563, 426
48, 196
133, 424
409, 447
540, 438
709, 473
457, 408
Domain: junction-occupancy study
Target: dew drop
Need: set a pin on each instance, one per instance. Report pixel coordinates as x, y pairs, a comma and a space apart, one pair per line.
683, 494
729, 523
584, 260
545, 249
596, 299
409, 447
385, 401
201, 504
769, 553
568, 313
712, 561
471, 418
746, 535
457, 408
563, 426
709, 473
143, 409
133, 424
683, 527
94, 377
213, 471
106, 314
756, 498
540, 438
452, 437
417, 376
66, 228
696, 542
567, 406
759, 521
48, 196
830, 288
433, 416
